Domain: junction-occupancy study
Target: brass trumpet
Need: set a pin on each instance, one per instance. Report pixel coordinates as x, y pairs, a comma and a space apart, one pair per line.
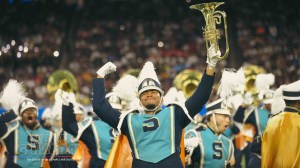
212, 17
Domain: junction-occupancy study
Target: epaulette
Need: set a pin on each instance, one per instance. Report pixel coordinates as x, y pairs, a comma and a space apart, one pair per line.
7, 116
11, 126
82, 125
123, 115
184, 110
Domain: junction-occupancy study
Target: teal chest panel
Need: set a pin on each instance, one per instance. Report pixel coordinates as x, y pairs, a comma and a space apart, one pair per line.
31, 146
69, 147
215, 150
104, 137
152, 133
263, 116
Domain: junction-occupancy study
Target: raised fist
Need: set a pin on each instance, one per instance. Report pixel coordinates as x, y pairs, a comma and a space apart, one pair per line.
107, 69
212, 56
64, 97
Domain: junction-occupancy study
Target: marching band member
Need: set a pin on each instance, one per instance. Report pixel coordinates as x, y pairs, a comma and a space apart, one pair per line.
27, 143
154, 134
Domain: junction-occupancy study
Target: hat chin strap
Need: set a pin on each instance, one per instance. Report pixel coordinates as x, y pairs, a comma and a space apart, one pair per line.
155, 109
215, 123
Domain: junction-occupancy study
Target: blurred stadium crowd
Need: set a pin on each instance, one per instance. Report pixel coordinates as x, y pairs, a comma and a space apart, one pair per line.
39, 37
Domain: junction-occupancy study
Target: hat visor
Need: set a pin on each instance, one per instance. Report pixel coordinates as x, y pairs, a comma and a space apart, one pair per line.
27, 107
151, 88
267, 101
219, 111
291, 98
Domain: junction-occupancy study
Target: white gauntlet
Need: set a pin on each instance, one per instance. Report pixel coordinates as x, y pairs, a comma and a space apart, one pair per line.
107, 69
64, 97
212, 56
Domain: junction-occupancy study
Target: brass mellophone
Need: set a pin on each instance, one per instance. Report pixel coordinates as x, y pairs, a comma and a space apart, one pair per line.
212, 17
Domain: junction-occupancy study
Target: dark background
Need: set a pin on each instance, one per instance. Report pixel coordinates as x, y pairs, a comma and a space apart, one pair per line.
89, 33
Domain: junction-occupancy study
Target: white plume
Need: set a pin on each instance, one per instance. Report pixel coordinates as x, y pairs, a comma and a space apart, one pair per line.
234, 102
12, 95
264, 81
148, 71
47, 113
126, 88
231, 83
278, 103
135, 104
170, 96
180, 97
57, 110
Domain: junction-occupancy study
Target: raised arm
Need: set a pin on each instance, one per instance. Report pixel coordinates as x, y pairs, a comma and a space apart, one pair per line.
201, 95
101, 107
69, 122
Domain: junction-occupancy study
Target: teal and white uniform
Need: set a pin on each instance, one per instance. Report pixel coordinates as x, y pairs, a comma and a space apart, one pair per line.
158, 128
154, 139
104, 137
262, 117
212, 151
28, 148
68, 147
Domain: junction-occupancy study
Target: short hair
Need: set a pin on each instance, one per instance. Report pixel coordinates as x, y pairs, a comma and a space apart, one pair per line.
290, 102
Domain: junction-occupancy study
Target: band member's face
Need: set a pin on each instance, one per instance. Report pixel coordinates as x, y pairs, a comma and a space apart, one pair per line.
268, 107
29, 117
150, 99
223, 122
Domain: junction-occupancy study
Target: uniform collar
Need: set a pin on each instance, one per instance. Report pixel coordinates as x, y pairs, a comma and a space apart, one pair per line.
291, 109
212, 130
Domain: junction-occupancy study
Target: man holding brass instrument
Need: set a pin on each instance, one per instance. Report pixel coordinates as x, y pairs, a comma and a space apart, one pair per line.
212, 19
154, 133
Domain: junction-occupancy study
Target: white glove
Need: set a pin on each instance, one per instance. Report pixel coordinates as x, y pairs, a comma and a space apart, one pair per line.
212, 56
107, 69
248, 99
64, 97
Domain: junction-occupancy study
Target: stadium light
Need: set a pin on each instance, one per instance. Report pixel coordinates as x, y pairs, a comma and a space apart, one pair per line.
13, 42
160, 44
122, 27
19, 54
25, 49
56, 53
21, 48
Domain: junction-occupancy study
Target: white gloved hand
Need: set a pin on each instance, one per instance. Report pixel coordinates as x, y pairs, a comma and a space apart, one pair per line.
107, 69
212, 56
64, 97
248, 99
69, 97
58, 98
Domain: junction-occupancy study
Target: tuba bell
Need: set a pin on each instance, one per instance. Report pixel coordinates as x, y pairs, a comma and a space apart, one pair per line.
187, 81
251, 71
61, 79
213, 18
